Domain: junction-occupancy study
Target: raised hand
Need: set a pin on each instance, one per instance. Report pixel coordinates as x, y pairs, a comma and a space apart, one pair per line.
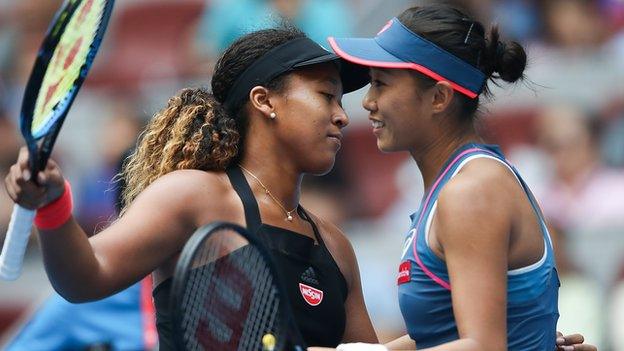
33, 195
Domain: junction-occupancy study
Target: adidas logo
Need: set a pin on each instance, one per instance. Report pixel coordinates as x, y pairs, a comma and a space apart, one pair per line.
309, 276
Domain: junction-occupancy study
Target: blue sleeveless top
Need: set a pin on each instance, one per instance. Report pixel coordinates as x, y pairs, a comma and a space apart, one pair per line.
425, 289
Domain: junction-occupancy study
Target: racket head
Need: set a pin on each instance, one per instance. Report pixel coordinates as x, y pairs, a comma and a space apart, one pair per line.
62, 64
226, 294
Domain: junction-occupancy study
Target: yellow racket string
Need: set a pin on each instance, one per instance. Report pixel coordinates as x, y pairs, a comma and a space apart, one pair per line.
68, 58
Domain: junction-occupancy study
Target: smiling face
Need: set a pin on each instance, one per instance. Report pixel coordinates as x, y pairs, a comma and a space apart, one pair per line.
310, 117
400, 110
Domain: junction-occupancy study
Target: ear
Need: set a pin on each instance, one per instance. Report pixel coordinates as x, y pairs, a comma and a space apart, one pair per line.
442, 96
260, 100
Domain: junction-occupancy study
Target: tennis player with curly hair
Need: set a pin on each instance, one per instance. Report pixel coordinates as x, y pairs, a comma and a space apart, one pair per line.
237, 154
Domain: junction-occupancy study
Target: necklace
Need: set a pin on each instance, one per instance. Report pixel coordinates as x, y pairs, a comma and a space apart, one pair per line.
289, 216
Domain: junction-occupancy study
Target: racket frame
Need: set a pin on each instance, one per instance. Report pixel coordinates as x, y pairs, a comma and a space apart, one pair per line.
38, 156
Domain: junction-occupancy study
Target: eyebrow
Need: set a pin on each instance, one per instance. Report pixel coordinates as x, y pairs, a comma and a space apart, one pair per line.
331, 80
383, 71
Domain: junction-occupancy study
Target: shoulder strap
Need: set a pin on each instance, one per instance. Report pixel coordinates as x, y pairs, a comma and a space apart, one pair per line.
250, 205
308, 219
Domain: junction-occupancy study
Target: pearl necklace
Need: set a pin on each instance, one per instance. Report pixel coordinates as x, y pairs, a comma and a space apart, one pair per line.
289, 216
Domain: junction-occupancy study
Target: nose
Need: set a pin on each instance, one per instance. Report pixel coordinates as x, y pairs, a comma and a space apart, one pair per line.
340, 118
369, 103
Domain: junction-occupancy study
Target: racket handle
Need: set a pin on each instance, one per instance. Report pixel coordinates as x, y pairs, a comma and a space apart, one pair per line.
15, 242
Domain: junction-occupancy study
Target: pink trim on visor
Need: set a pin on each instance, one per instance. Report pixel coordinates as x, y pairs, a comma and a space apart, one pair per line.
401, 65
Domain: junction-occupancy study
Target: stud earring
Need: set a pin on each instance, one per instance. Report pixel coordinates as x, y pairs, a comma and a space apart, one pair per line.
272, 115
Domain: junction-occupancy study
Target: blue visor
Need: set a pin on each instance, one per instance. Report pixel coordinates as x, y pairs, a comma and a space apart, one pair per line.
395, 46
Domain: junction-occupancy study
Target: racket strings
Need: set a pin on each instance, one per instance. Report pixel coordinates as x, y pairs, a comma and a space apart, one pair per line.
69, 61
230, 301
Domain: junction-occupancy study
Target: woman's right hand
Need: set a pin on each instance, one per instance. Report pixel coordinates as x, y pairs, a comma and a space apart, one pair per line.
28, 194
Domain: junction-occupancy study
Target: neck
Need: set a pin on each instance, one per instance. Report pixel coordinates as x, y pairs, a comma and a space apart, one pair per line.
431, 157
280, 178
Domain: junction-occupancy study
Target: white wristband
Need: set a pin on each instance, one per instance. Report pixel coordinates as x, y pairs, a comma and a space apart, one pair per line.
360, 346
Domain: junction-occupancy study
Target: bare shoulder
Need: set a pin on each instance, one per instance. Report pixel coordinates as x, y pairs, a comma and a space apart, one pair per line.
481, 182
188, 184
338, 245
193, 192
481, 195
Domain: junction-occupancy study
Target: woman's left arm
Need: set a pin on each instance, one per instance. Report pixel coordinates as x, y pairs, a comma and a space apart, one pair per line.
472, 225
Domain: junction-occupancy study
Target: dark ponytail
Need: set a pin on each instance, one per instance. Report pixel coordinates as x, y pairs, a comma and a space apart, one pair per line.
504, 60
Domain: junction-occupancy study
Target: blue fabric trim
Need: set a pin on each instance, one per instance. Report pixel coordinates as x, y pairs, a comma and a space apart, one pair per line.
408, 46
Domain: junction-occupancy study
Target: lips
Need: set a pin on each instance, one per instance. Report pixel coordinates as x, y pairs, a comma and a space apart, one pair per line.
337, 138
377, 124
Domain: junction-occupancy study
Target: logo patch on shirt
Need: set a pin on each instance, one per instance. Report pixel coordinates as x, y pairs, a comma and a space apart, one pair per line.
311, 295
309, 276
404, 272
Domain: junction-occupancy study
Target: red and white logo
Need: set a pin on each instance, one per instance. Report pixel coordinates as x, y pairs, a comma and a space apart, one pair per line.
311, 295
404, 272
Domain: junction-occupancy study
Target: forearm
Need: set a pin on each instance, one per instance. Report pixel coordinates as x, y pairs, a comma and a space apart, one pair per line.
463, 345
402, 343
405, 343
70, 262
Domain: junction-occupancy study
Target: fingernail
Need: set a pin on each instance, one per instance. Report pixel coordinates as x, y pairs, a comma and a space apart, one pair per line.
568, 348
560, 340
41, 179
26, 175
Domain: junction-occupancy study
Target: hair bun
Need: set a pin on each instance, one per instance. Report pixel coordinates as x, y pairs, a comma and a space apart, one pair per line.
507, 59
510, 61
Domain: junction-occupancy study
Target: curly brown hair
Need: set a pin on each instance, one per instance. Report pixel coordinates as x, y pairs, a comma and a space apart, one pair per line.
192, 132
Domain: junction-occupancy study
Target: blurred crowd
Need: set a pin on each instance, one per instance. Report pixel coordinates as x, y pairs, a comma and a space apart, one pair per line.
563, 128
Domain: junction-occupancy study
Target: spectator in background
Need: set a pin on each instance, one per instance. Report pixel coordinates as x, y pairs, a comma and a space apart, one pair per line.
573, 25
578, 295
28, 21
584, 197
616, 312
565, 65
9, 144
612, 143
118, 134
223, 20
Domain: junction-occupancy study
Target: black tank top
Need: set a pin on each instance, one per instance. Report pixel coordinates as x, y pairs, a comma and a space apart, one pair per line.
314, 284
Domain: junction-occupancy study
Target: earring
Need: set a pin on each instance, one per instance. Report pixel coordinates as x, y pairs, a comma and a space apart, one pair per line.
272, 115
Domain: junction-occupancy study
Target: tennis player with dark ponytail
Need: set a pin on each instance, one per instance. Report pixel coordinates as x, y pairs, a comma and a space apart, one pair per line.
237, 154
477, 270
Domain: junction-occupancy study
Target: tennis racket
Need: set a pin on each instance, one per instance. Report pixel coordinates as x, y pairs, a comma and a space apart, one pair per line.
226, 295
62, 64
